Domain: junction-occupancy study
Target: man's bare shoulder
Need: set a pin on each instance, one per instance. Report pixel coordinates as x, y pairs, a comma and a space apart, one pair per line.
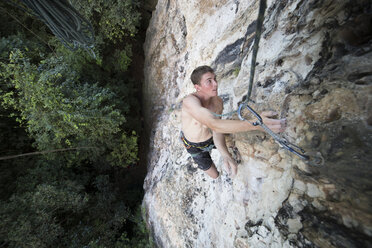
190, 97
190, 100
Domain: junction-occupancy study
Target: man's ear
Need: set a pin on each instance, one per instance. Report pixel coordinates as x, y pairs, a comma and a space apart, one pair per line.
197, 87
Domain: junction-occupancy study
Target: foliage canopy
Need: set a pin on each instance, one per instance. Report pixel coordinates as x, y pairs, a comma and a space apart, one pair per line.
51, 98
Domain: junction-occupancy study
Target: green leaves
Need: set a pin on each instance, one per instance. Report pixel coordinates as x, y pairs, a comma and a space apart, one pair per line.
52, 208
114, 24
60, 111
127, 150
64, 99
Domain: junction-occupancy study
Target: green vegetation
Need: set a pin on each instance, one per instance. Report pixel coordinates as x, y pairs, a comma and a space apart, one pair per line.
113, 20
52, 98
236, 71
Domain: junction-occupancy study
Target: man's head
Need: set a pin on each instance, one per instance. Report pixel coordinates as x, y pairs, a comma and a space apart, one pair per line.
205, 81
197, 74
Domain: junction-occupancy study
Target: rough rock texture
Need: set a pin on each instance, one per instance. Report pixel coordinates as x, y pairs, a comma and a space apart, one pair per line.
314, 68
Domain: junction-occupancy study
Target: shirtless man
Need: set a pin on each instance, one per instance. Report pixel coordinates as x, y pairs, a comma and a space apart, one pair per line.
202, 131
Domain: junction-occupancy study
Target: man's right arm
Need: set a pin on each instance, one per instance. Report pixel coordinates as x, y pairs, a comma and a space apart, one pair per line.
192, 105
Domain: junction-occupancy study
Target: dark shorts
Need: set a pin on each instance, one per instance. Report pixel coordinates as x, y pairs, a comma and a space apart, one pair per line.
200, 152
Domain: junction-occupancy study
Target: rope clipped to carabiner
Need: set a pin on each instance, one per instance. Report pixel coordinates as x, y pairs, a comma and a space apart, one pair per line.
316, 160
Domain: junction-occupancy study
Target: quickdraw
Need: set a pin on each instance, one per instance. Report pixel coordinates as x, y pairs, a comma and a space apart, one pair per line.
315, 160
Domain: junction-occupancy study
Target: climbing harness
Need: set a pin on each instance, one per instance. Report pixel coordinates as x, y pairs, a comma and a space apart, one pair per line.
187, 145
72, 29
205, 148
314, 160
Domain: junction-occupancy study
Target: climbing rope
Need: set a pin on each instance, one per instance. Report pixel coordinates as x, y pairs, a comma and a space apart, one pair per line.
260, 19
72, 29
46, 152
259, 24
315, 159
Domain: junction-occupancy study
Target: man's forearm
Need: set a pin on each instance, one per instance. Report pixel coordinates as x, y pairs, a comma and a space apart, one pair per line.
231, 126
220, 142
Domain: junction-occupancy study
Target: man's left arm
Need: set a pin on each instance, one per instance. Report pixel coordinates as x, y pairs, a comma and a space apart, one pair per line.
229, 162
220, 142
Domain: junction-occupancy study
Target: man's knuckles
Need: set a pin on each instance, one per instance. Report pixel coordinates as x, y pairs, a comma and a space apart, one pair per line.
269, 113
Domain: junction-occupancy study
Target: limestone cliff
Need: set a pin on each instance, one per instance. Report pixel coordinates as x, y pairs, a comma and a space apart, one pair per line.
314, 68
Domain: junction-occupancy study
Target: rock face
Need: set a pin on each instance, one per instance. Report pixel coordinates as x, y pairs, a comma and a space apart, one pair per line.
314, 68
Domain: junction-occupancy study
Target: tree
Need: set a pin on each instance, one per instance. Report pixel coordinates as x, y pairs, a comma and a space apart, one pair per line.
52, 97
59, 111
51, 208
114, 24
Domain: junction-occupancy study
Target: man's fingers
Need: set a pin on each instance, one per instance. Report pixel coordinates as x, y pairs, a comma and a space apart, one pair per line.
283, 124
269, 121
234, 169
276, 125
227, 167
278, 128
230, 166
269, 113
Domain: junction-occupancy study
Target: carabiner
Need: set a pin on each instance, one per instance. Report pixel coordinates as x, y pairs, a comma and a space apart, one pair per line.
259, 119
292, 148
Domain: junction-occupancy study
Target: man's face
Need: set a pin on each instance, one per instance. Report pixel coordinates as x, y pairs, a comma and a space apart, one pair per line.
208, 85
